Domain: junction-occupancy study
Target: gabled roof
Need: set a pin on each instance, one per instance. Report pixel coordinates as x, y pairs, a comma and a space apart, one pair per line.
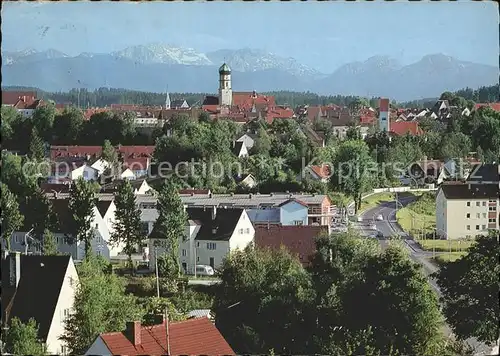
220, 229
12, 97
470, 191
293, 200
103, 206
494, 106
484, 173
298, 240
238, 145
322, 172
36, 297
54, 187
197, 336
401, 128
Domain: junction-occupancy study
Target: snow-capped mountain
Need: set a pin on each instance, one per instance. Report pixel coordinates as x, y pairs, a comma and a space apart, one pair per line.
30, 55
252, 60
160, 53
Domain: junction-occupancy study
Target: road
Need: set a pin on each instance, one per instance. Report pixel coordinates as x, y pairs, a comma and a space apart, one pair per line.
389, 228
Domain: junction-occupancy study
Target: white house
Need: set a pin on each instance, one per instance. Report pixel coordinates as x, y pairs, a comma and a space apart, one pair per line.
246, 180
211, 235
42, 288
248, 139
73, 171
100, 243
100, 165
240, 150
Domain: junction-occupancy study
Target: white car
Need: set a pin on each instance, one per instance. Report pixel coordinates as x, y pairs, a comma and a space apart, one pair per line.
380, 217
360, 219
202, 270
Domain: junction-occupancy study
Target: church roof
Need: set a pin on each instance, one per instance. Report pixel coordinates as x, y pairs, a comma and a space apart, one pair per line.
224, 69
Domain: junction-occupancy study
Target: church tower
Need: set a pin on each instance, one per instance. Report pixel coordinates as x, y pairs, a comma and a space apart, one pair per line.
225, 91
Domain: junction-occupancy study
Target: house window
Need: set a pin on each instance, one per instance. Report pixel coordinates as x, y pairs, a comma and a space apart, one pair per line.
484, 215
468, 203
66, 313
484, 203
477, 227
247, 231
478, 215
468, 215
183, 252
97, 226
468, 227
298, 222
241, 231
478, 203
484, 227
492, 208
197, 258
492, 220
211, 246
64, 351
197, 244
71, 281
16, 239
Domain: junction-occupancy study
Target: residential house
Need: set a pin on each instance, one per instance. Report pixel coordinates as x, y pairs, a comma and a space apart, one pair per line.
401, 128
211, 234
484, 174
298, 240
71, 169
239, 149
320, 173
179, 104
467, 210
197, 336
441, 110
42, 288
290, 212
248, 139
100, 244
245, 180
494, 106
10, 98
140, 186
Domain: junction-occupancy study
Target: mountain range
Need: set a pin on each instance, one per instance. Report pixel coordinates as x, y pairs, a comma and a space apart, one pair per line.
155, 67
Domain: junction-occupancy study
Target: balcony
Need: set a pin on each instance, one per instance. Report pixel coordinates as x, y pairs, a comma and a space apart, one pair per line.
322, 211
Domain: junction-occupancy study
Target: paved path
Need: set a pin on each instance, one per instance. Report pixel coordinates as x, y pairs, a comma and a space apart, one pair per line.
389, 228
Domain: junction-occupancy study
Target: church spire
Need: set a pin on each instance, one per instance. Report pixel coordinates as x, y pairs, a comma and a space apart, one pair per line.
167, 101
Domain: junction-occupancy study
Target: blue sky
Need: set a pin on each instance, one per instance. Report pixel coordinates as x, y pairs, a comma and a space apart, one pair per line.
323, 35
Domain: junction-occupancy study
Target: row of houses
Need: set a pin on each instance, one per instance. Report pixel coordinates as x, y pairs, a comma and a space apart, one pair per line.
43, 288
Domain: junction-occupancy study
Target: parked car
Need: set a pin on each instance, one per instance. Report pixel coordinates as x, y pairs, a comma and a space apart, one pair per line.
203, 270
360, 219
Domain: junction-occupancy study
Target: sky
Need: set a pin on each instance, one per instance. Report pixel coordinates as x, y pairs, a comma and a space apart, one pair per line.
322, 35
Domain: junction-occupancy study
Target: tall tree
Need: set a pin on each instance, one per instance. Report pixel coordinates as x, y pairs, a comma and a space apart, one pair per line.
38, 212
262, 142
110, 155
101, 305
22, 339
49, 244
470, 289
81, 207
37, 146
169, 228
265, 300
12, 219
353, 170
127, 228
68, 126
43, 120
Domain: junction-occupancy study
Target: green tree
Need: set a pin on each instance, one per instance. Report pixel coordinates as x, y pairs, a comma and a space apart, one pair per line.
110, 155
68, 126
49, 244
470, 289
12, 220
9, 118
22, 339
169, 228
353, 170
43, 120
262, 142
127, 228
101, 306
37, 146
81, 207
38, 212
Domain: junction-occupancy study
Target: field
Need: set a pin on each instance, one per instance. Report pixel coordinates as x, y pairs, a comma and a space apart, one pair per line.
378, 198
445, 245
447, 257
419, 217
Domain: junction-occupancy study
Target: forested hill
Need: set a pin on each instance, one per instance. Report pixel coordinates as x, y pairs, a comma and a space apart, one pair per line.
106, 96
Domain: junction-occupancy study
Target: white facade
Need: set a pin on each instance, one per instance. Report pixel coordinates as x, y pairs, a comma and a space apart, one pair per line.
63, 309
225, 91
100, 165
461, 218
86, 172
383, 122
127, 174
207, 252
243, 151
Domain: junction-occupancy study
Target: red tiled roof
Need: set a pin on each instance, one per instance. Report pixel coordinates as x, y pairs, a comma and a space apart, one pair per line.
136, 151
12, 97
196, 336
28, 103
400, 128
366, 119
137, 163
87, 114
211, 108
321, 171
74, 151
494, 106
298, 240
313, 112
247, 99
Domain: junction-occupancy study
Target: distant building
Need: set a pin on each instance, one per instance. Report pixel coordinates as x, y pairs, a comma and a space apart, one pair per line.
384, 119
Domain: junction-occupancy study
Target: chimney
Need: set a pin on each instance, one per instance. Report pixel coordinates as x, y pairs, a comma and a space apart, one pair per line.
15, 269
133, 332
214, 212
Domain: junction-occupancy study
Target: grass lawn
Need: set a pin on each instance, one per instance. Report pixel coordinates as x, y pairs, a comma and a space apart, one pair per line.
447, 257
378, 198
409, 220
444, 245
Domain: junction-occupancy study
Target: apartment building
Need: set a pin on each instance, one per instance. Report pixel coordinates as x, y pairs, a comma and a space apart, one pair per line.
467, 210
